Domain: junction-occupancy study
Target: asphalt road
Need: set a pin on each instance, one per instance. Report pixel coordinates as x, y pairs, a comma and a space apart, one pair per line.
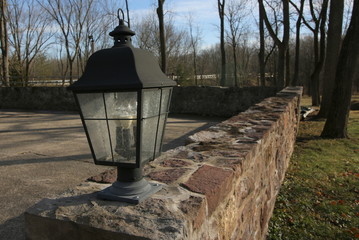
44, 153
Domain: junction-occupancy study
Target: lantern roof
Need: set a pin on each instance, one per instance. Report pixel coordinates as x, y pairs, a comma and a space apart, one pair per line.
122, 67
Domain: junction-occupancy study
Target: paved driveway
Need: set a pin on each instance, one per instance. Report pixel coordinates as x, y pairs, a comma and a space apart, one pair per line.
45, 153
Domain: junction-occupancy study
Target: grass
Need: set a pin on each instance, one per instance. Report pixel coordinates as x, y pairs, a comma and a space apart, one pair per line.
319, 198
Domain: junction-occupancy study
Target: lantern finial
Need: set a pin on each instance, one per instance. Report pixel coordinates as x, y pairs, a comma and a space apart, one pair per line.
121, 34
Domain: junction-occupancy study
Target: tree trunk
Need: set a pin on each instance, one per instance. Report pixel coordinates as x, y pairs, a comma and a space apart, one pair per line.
295, 79
69, 63
71, 71
281, 44
319, 55
162, 35
287, 68
195, 67
221, 6
236, 82
27, 73
338, 115
285, 41
332, 52
194, 39
261, 48
281, 67
314, 82
4, 44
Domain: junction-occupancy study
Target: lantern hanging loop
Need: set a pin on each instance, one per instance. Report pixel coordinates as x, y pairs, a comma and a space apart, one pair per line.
118, 15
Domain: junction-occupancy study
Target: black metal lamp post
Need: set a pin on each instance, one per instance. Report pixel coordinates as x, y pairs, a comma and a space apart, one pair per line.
124, 98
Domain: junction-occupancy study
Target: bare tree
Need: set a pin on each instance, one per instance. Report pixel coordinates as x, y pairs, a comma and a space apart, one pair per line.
177, 41
246, 53
221, 13
319, 53
266, 46
162, 35
318, 17
29, 35
281, 44
210, 63
195, 38
177, 46
70, 16
235, 14
95, 34
261, 47
146, 34
295, 80
4, 43
332, 52
337, 121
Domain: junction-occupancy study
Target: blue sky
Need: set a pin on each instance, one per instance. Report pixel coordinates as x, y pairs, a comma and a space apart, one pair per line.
204, 12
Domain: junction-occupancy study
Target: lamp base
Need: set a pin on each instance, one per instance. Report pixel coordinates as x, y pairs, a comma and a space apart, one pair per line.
130, 192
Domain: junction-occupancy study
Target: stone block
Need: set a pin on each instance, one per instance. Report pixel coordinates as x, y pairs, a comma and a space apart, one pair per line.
79, 215
215, 183
168, 176
108, 176
195, 208
174, 163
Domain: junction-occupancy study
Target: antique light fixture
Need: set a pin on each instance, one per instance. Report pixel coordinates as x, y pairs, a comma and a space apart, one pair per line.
124, 98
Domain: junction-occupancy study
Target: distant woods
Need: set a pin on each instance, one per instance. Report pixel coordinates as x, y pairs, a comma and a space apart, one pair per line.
260, 43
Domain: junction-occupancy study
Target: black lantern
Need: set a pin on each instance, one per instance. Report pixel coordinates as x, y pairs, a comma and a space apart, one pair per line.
124, 98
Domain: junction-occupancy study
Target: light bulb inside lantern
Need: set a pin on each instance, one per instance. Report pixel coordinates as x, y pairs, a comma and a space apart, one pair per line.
124, 112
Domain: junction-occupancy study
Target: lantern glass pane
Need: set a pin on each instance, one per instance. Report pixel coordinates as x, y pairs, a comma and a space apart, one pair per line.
148, 139
121, 105
110, 120
161, 128
166, 93
92, 105
100, 141
123, 140
151, 102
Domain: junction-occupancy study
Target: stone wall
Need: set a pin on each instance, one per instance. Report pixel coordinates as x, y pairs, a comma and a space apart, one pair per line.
37, 98
208, 101
217, 101
220, 186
